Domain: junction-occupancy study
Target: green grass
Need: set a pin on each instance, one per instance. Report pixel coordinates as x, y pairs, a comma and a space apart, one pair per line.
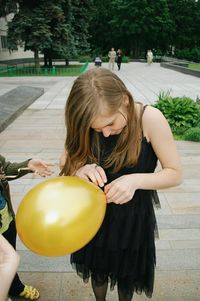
194, 66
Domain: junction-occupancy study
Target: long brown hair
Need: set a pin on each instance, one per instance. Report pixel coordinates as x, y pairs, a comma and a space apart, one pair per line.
96, 91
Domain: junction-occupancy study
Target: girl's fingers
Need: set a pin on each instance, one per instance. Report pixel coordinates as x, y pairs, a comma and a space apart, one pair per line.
114, 198
94, 173
95, 177
102, 174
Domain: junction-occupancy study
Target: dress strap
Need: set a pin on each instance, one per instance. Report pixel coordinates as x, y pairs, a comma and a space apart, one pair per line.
143, 109
141, 115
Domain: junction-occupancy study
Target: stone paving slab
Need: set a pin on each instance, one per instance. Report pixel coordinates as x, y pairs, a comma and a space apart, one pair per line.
169, 286
168, 259
8, 83
146, 82
173, 221
14, 102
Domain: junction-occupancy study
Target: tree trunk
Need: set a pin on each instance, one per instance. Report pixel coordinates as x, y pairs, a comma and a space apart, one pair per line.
136, 47
45, 58
50, 57
36, 58
50, 62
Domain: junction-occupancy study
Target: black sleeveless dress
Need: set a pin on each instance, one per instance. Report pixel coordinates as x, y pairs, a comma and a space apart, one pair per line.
123, 250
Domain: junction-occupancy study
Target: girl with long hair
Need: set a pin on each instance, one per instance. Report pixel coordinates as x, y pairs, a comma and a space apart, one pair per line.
115, 142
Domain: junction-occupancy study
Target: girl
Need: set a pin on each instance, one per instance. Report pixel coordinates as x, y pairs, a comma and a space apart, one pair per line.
115, 143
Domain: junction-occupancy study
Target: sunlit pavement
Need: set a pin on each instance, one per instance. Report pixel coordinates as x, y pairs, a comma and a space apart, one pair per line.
40, 132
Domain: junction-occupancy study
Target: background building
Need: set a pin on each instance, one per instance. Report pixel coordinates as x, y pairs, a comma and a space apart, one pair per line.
5, 54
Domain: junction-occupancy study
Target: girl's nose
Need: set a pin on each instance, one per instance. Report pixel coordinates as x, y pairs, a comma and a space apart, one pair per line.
106, 132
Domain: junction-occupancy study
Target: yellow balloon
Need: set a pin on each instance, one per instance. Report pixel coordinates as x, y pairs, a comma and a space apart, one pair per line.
60, 215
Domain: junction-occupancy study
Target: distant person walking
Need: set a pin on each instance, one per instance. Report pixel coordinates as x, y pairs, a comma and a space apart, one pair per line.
119, 58
149, 57
112, 56
97, 61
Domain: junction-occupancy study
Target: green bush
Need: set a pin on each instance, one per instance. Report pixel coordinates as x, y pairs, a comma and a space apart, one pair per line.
105, 59
157, 52
125, 59
85, 59
192, 134
195, 54
189, 54
182, 113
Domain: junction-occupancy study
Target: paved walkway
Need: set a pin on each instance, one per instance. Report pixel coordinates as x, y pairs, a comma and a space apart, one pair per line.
40, 132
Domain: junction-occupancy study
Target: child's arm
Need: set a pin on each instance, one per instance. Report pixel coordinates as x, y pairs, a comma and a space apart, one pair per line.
16, 170
12, 169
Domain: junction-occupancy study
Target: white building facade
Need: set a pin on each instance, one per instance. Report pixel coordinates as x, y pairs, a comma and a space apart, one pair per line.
5, 54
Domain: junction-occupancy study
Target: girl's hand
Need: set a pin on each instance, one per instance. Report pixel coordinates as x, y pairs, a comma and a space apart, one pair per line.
40, 167
93, 173
121, 190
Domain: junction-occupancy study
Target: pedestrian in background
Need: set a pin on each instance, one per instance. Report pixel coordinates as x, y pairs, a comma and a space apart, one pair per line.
149, 57
97, 61
119, 58
112, 57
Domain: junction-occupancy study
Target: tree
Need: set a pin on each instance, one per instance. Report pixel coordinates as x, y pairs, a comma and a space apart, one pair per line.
142, 24
32, 26
76, 14
134, 25
185, 15
81, 14
101, 31
54, 28
7, 7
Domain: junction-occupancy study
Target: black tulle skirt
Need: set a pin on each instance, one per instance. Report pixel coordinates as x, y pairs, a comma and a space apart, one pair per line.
123, 250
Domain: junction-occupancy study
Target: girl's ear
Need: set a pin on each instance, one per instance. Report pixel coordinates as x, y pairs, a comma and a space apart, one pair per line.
126, 100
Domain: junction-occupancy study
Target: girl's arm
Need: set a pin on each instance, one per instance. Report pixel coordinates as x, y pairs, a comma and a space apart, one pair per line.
157, 131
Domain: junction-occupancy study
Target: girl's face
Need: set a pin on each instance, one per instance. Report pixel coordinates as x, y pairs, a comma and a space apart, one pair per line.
110, 125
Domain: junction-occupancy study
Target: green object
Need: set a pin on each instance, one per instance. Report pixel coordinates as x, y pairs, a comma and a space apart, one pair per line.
192, 134
182, 113
65, 71
194, 66
53, 71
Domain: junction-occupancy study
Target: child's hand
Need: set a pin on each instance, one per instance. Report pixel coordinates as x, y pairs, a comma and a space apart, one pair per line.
40, 167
